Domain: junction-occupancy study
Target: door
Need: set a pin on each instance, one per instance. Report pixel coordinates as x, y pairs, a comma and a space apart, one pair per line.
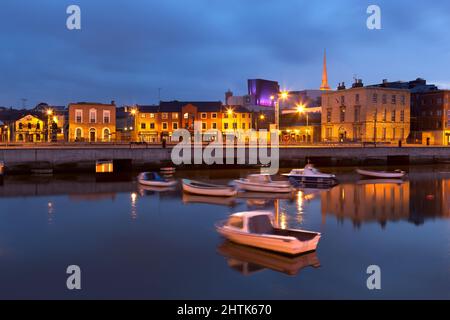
92, 135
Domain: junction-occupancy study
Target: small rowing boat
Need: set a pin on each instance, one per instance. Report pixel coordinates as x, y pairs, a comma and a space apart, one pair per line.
153, 179
381, 174
207, 189
263, 183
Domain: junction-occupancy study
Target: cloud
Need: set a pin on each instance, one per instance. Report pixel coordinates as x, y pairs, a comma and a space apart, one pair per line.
200, 48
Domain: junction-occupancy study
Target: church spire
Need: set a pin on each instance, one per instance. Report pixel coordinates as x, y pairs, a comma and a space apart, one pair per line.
324, 85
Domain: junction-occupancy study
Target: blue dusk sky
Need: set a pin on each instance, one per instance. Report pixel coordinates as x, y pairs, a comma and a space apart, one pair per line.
197, 49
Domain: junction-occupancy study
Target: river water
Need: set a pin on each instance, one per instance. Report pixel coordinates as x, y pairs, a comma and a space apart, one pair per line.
131, 242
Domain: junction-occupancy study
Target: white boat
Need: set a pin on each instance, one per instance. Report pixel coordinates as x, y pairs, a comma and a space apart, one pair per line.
255, 229
381, 174
207, 189
310, 176
262, 183
153, 179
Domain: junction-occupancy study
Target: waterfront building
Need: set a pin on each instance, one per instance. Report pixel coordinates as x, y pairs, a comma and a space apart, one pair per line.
365, 114
4, 132
29, 128
92, 122
157, 122
301, 127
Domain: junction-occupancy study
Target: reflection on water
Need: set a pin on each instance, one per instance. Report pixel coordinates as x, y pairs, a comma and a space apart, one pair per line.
248, 260
161, 243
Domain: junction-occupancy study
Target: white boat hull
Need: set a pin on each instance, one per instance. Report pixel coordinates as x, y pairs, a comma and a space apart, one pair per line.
216, 192
287, 245
380, 174
151, 183
259, 187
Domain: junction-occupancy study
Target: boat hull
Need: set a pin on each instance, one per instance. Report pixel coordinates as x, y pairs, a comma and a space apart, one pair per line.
256, 187
286, 245
151, 183
380, 174
215, 192
303, 181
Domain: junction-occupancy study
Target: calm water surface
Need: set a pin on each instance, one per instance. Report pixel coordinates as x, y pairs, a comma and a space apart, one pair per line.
137, 243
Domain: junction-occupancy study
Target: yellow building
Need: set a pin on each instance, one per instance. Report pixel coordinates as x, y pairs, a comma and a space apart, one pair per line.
29, 129
236, 118
365, 114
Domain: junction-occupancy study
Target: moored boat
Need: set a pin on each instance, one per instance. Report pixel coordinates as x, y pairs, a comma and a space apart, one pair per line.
153, 179
256, 229
263, 183
396, 174
207, 189
310, 176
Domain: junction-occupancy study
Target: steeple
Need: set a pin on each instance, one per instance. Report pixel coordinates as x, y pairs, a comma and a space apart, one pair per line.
324, 85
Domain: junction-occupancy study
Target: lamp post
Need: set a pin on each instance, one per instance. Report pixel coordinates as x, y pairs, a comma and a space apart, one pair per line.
301, 108
133, 112
49, 124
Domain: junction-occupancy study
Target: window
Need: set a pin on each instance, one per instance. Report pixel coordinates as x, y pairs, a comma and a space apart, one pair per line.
92, 116
143, 126
175, 115
174, 125
384, 99
225, 125
402, 133
402, 115
204, 125
78, 134
203, 115
164, 115
186, 115
106, 135
243, 126
38, 126
152, 115
393, 133
394, 99
342, 100
78, 116
152, 125
403, 100
164, 125
106, 116
236, 222
357, 113
20, 126
234, 115
214, 125
29, 125
214, 115
342, 114
375, 98
384, 114
243, 116
329, 115
225, 115
393, 116
38, 137
357, 98
234, 125
20, 137
142, 115
384, 133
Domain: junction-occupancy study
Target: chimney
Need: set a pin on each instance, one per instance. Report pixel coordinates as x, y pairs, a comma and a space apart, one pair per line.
113, 102
341, 86
358, 83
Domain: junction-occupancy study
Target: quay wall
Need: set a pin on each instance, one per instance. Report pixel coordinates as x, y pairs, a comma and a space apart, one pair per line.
84, 158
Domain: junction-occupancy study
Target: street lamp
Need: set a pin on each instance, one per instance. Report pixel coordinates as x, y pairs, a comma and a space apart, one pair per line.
49, 128
301, 108
283, 95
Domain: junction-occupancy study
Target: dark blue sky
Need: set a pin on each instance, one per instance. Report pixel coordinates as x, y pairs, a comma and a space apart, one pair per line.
197, 49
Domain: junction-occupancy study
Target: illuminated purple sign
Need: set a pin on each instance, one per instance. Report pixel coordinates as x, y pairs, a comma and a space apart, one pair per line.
262, 90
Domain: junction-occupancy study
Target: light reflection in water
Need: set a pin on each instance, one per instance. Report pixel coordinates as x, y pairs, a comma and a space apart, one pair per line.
133, 206
50, 211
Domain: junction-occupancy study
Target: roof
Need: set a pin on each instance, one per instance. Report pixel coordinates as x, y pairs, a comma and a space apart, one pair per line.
249, 214
92, 103
202, 106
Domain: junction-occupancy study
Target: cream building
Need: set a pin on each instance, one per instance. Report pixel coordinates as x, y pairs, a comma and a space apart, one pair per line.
365, 114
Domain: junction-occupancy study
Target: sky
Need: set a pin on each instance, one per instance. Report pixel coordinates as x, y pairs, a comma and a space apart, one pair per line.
198, 49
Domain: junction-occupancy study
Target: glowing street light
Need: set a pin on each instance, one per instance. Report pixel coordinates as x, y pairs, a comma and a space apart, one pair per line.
301, 108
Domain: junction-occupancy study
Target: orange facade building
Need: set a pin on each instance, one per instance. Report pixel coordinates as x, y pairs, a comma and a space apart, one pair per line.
92, 122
